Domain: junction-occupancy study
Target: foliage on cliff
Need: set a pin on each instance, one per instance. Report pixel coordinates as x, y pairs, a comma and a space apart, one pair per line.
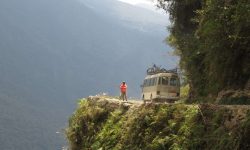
212, 38
102, 124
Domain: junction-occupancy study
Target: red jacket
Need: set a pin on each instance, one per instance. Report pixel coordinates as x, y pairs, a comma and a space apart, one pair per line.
123, 87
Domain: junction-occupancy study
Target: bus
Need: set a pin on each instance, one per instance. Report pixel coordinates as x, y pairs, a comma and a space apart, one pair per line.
161, 85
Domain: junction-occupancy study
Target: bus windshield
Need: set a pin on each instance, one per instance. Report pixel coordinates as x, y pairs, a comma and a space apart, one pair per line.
163, 81
173, 82
150, 82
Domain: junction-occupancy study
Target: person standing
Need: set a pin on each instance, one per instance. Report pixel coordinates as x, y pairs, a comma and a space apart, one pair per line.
123, 88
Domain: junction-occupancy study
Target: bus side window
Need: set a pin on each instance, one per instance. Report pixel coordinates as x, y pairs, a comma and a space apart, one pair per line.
145, 83
153, 82
159, 80
173, 82
165, 80
149, 82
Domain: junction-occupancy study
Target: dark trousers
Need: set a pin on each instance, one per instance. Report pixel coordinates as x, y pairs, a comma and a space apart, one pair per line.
123, 96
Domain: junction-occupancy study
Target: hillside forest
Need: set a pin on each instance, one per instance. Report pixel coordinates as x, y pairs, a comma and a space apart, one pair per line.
212, 39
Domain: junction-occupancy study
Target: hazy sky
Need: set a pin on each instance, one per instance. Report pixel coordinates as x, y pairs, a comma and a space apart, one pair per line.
148, 4
134, 2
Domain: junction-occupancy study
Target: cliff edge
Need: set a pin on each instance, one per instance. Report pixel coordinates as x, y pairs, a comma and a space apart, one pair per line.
105, 123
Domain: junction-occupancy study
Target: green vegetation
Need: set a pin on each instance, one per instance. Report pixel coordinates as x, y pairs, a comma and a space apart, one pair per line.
107, 125
184, 91
212, 39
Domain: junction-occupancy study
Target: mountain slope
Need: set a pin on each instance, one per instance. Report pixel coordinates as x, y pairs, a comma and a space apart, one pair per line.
130, 16
55, 51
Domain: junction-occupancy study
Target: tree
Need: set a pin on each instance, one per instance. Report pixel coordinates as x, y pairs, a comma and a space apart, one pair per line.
212, 39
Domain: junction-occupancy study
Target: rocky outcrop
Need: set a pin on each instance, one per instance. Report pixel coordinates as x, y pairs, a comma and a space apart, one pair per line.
234, 97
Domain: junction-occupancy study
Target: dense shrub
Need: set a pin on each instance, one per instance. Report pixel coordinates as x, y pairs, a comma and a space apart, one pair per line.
158, 127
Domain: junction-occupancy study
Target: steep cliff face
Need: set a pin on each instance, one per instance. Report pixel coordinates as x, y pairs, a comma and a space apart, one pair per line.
107, 123
211, 39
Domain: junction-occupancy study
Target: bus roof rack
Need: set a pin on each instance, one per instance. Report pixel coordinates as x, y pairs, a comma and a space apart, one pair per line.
155, 69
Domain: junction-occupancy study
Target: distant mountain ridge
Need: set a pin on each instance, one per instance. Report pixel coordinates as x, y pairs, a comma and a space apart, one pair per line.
131, 16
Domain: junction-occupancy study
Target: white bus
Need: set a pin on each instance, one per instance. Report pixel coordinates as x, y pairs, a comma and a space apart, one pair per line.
161, 87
